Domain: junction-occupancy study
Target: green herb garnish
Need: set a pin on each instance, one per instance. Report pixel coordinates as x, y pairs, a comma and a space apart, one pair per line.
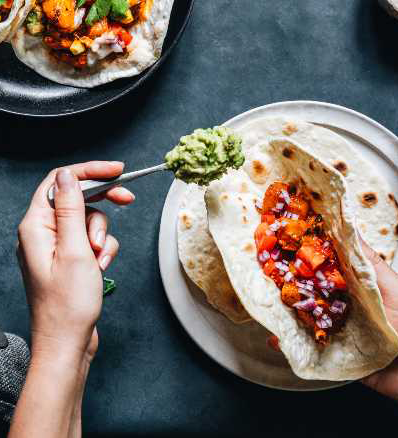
102, 8
80, 3
2, 2
109, 286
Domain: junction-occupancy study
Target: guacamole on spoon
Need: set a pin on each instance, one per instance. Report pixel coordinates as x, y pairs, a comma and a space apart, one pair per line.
205, 155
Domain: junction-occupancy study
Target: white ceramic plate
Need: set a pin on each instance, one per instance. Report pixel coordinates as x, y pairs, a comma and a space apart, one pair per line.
242, 349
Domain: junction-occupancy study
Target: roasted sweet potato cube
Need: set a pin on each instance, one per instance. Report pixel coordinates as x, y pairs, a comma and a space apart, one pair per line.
290, 235
312, 252
306, 318
298, 206
61, 12
334, 275
271, 197
290, 294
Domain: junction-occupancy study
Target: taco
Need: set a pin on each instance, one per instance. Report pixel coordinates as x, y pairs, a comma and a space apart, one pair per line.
12, 13
294, 259
372, 200
86, 43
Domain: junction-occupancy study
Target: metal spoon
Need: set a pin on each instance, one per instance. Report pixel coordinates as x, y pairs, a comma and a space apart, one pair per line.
91, 188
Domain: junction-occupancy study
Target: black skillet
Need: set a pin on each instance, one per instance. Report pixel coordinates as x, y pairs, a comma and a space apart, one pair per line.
22, 91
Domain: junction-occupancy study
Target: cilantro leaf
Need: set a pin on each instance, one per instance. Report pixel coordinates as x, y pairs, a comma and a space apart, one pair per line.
98, 11
80, 3
102, 8
109, 286
2, 2
119, 8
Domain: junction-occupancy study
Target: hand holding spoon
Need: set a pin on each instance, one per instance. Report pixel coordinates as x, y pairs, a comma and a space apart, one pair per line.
199, 158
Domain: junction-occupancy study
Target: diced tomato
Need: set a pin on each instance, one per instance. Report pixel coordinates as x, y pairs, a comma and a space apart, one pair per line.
298, 206
263, 241
271, 197
269, 267
312, 252
333, 274
273, 342
304, 271
271, 271
268, 218
122, 34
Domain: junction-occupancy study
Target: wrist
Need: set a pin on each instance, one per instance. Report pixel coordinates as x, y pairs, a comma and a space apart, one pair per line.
64, 352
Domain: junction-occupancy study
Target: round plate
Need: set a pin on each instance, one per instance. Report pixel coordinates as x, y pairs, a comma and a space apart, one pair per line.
22, 91
242, 349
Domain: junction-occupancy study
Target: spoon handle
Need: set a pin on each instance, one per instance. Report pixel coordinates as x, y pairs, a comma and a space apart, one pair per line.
91, 188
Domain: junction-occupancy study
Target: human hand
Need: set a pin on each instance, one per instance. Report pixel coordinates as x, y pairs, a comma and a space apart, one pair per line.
61, 253
385, 381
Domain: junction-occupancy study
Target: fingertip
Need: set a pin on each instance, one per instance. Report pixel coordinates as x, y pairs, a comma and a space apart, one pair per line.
120, 196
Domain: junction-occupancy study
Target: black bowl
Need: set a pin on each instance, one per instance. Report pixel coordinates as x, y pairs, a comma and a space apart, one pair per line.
22, 91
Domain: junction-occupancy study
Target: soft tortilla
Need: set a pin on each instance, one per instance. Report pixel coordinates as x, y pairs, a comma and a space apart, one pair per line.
146, 48
368, 342
202, 260
18, 13
377, 222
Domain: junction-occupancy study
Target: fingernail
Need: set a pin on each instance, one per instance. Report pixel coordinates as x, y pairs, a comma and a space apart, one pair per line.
104, 263
100, 238
64, 180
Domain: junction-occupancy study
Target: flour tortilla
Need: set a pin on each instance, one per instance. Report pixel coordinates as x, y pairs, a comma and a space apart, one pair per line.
19, 11
145, 49
201, 259
377, 222
368, 342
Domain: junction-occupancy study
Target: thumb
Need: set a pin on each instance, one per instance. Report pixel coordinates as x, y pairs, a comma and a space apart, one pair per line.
69, 213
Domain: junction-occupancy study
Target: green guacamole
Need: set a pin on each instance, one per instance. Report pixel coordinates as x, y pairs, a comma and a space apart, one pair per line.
205, 155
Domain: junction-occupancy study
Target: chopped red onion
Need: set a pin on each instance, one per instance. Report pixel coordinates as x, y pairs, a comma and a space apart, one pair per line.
306, 293
266, 255
285, 262
298, 263
324, 322
270, 233
325, 293
308, 305
326, 244
259, 205
285, 196
279, 206
281, 266
309, 286
275, 226
323, 283
299, 284
284, 214
294, 216
309, 282
289, 215
320, 275
317, 311
275, 253
338, 306
261, 258
289, 276
331, 284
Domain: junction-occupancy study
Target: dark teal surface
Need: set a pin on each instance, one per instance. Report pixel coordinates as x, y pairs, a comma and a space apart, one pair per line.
149, 379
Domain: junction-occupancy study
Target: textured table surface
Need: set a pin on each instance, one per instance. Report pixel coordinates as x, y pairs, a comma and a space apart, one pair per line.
149, 379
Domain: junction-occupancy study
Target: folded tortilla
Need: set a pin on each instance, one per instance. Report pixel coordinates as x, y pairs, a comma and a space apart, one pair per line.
368, 342
18, 13
372, 199
144, 50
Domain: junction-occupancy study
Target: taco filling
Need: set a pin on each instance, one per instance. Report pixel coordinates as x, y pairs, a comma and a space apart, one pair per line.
294, 250
5, 9
82, 32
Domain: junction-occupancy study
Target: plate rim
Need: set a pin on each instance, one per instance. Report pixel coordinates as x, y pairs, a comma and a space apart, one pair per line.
299, 105
147, 74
